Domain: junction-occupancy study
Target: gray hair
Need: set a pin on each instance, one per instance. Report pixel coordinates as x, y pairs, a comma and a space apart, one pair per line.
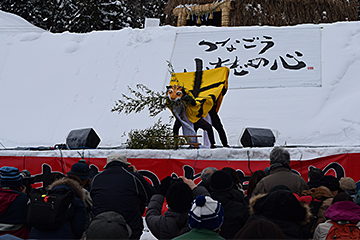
206, 173
279, 155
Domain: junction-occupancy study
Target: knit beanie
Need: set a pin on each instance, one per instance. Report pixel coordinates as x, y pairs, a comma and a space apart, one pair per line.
10, 177
347, 183
179, 196
331, 182
342, 196
108, 225
315, 173
81, 170
206, 213
221, 181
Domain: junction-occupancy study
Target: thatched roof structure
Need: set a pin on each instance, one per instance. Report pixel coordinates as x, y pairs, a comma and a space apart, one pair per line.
263, 12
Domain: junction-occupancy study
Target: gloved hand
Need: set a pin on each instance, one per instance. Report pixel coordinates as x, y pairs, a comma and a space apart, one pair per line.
164, 185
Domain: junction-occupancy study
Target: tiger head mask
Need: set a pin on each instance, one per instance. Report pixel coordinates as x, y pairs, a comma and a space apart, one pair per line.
175, 92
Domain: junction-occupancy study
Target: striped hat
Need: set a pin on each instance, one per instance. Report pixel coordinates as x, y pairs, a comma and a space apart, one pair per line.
10, 177
206, 213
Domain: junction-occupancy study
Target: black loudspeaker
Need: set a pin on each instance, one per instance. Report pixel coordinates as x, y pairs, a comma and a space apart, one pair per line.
257, 137
82, 138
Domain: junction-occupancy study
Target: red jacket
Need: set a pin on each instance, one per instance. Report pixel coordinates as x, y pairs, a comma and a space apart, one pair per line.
13, 208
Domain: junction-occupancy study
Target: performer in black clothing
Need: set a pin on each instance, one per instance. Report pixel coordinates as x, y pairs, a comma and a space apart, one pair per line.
203, 124
216, 123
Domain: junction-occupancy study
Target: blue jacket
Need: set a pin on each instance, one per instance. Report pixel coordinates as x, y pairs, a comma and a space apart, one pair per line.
75, 222
121, 190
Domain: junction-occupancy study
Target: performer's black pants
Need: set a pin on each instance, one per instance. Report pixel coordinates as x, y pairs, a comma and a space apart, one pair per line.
216, 122
202, 123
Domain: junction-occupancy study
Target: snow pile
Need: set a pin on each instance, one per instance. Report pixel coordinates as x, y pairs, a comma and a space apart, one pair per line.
13, 23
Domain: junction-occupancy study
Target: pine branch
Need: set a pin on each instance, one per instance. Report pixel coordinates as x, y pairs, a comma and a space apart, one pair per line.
141, 99
159, 136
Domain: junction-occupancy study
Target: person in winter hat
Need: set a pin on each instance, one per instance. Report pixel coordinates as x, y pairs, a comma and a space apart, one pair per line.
27, 181
235, 177
221, 181
75, 222
108, 225
205, 219
82, 173
323, 198
118, 157
314, 175
13, 203
281, 207
348, 185
120, 188
233, 202
331, 182
340, 212
280, 174
179, 194
343, 196
328, 189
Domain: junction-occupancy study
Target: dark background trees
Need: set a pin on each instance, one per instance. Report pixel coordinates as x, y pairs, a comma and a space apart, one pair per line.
86, 15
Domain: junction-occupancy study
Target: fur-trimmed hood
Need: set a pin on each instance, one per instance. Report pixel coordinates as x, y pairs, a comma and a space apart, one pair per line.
281, 205
70, 183
318, 193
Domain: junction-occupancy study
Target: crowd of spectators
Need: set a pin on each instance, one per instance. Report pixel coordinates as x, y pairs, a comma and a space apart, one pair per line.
276, 203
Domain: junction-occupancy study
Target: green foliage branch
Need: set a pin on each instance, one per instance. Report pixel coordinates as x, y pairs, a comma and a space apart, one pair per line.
154, 101
159, 136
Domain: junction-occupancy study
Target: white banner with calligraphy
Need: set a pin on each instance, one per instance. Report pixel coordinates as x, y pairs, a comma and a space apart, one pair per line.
256, 56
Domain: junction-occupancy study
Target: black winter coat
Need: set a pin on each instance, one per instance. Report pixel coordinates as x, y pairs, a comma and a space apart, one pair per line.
235, 209
123, 191
167, 226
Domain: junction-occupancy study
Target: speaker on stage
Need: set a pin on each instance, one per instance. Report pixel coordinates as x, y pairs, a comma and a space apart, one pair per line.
257, 137
82, 138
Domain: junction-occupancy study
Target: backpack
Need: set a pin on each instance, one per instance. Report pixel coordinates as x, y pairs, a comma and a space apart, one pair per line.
343, 231
47, 211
